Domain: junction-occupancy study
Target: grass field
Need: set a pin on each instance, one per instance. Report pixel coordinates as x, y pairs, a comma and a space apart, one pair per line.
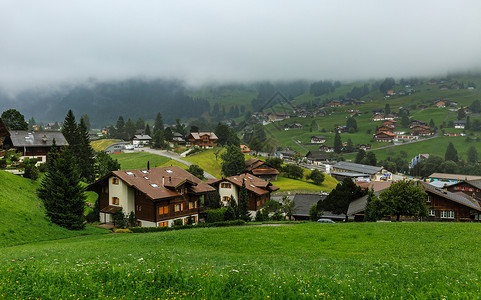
139, 160
23, 217
288, 184
206, 160
327, 261
100, 145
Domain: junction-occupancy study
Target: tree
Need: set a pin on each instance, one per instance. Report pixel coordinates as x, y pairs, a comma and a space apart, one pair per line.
370, 159
168, 134
349, 146
339, 199
61, 191
404, 198
31, 171
337, 143
288, 207
234, 206
475, 107
405, 121
130, 128
233, 162
293, 171
387, 109
147, 130
159, 122
316, 176
472, 155
431, 123
386, 85
468, 123
244, 203
212, 200
360, 156
140, 124
158, 139
255, 144
196, 171
274, 162
104, 164
86, 119
85, 156
120, 128
14, 120
451, 153
314, 213
351, 123
374, 208
31, 122
461, 114
179, 127
70, 130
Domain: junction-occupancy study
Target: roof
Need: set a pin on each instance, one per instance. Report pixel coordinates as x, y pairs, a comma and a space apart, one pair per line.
459, 122
375, 185
199, 135
252, 163
160, 182
258, 172
254, 184
142, 137
24, 138
110, 209
349, 174
458, 198
303, 203
359, 204
358, 168
459, 177
318, 155
318, 137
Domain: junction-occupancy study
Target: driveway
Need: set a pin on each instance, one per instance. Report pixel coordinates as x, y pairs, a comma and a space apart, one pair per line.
176, 157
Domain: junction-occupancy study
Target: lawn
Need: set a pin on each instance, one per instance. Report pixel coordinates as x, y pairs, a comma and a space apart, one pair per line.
138, 160
100, 145
310, 260
288, 184
207, 161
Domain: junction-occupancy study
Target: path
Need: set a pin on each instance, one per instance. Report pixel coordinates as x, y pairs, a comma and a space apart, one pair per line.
299, 144
176, 157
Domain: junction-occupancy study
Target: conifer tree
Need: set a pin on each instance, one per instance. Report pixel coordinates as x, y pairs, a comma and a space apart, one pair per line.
69, 129
337, 143
86, 155
244, 203
61, 192
159, 122
147, 130
451, 153
234, 206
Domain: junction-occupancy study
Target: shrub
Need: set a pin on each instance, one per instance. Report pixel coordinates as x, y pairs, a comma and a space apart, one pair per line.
215, 215
3, 163
150, 229
177, 222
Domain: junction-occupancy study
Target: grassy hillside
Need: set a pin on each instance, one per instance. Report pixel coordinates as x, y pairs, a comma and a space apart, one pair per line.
332, 261
100, 145
23, 217
139, 160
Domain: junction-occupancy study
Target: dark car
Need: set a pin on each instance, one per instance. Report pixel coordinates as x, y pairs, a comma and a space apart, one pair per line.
325, 221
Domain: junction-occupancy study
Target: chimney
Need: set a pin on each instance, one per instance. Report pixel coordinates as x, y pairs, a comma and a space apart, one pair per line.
148, 165
162, 180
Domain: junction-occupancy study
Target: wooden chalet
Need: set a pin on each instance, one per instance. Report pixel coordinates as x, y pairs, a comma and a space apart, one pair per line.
318, 139
317, 157
386, 128
245, 149
377, 117
34, 144
389, 122
157, 196
140, 140
259, 190
421, 130
202, 139
446, 177
384, 137
260, 169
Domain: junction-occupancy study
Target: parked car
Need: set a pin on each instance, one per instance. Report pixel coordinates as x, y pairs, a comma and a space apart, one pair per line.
325, 221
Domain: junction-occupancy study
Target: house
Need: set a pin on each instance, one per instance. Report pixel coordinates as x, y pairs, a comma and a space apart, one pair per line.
335, 103
303, 202
293, 126
421, 130
245, 149
389, 117
34, 144
116, 148
287, 153
440, 104
157, 196
384, 137
357, 207
417, 123
386, 128
326, 148
259, 190
316, 157
340, 129
377, 117
141, 140
405, 137
202, 139
278, 116
178, 139
459, 124
318, 139
373, 173
389, 122
452, 177
260, 169
365, 146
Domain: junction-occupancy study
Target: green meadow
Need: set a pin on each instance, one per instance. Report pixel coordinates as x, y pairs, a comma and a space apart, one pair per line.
309, 260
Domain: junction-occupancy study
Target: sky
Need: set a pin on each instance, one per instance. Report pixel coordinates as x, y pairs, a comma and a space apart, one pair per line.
44, 43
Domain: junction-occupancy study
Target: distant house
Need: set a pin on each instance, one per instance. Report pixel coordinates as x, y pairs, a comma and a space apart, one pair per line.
340, 128
326, 148
317, 157
36, 144
178, 138
318, 139
357, 208
452, 177
141, 140
386, 128
260, 169
384, 137
377, 117
364, 146
202, 139
335, 103
278, 116
293, 126
417, 123
389, 122
157, 196
245, 149
460, 124
440, 104
259, 190
421, 130
303, 202
372, 172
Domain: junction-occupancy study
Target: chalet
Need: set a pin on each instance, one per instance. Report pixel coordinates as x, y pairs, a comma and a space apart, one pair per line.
452, 177
326, 148
157, 196
317, 157
389, 117
386, 128
377, 117
357, 207
364, 146
287, 153
303, 202
389, 122
245, 149
417, 123
372, 172
421, 130
459, 124
202, 139
340, 129
384, 137
440, 104
260, 169
335, 103
178, 138
318, 139
34, 144
405, 137
141, 140
278, 116
259, 190
454, 134
293, 126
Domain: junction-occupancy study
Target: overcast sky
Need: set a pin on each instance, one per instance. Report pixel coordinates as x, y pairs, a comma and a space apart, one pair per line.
49, 42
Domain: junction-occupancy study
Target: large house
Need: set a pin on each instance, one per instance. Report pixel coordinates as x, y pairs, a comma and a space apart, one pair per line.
157, 196
259, 190
452, 177
371, 173
141, 140
260, 169
202, 139
384, 137
34, 144
318, 139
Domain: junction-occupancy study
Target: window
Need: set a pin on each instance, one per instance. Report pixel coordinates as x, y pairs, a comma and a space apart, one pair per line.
139, 223
139, 208
179, 207
431, 213
192, 205
258, 203
115, 200
225, 185
471, 189
225, 198
181, 190
163, 224
447, 214
115, 180
39, 158
429, 199
466, 189
162, 210
458, 188
105, 189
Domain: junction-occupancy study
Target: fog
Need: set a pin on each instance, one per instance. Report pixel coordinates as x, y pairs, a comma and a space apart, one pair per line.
44, 43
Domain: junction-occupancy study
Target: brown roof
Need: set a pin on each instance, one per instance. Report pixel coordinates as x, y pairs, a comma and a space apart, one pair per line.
199, 135
254, 184
376, 185
160, 182
258, 172
111, 209
252, 163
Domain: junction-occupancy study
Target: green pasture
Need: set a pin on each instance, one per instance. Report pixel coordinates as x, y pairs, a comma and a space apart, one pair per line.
100, 145
309, 260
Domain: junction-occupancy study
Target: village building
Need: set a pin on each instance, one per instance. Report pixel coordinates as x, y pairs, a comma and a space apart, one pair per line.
319, 157
371, 173
259, 190
202, 139
440, 104
260, 169
460, 124
452, 177
377, 117
141, 140
245, 149
278, 116
157, 196
357, 208
326, 148
384, 137
303, 202
421, 130
318, 139
293, 126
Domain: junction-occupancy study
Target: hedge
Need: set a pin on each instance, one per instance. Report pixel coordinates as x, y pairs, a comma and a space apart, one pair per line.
200, 225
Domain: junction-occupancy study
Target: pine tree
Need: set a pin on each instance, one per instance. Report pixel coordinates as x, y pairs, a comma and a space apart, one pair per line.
337, 143
233, 162
360, 156
61, 192
70, 131
244, 203
234, 206
159, 122
472, 155
85, 155
147, 129
451, 153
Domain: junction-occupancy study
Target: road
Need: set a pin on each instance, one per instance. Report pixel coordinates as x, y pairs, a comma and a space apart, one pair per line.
176, 157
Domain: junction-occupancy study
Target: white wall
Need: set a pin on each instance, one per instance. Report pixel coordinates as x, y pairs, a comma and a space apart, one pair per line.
228, 191
124, 193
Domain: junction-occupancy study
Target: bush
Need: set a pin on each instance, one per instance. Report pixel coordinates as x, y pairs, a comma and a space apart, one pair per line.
177, 222
3, 163
149, 229
229, 214
215, 215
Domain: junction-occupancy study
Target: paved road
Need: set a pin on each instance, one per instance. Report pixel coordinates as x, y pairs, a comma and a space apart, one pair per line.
175, 157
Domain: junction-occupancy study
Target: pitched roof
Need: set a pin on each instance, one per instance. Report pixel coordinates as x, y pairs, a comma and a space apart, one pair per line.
461, 199
23, 138
303, 203
199, 135
142, 137
359, 204
375, 185
252, 163
359, 168
254, 184
258, 172
160, 182
459, 177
